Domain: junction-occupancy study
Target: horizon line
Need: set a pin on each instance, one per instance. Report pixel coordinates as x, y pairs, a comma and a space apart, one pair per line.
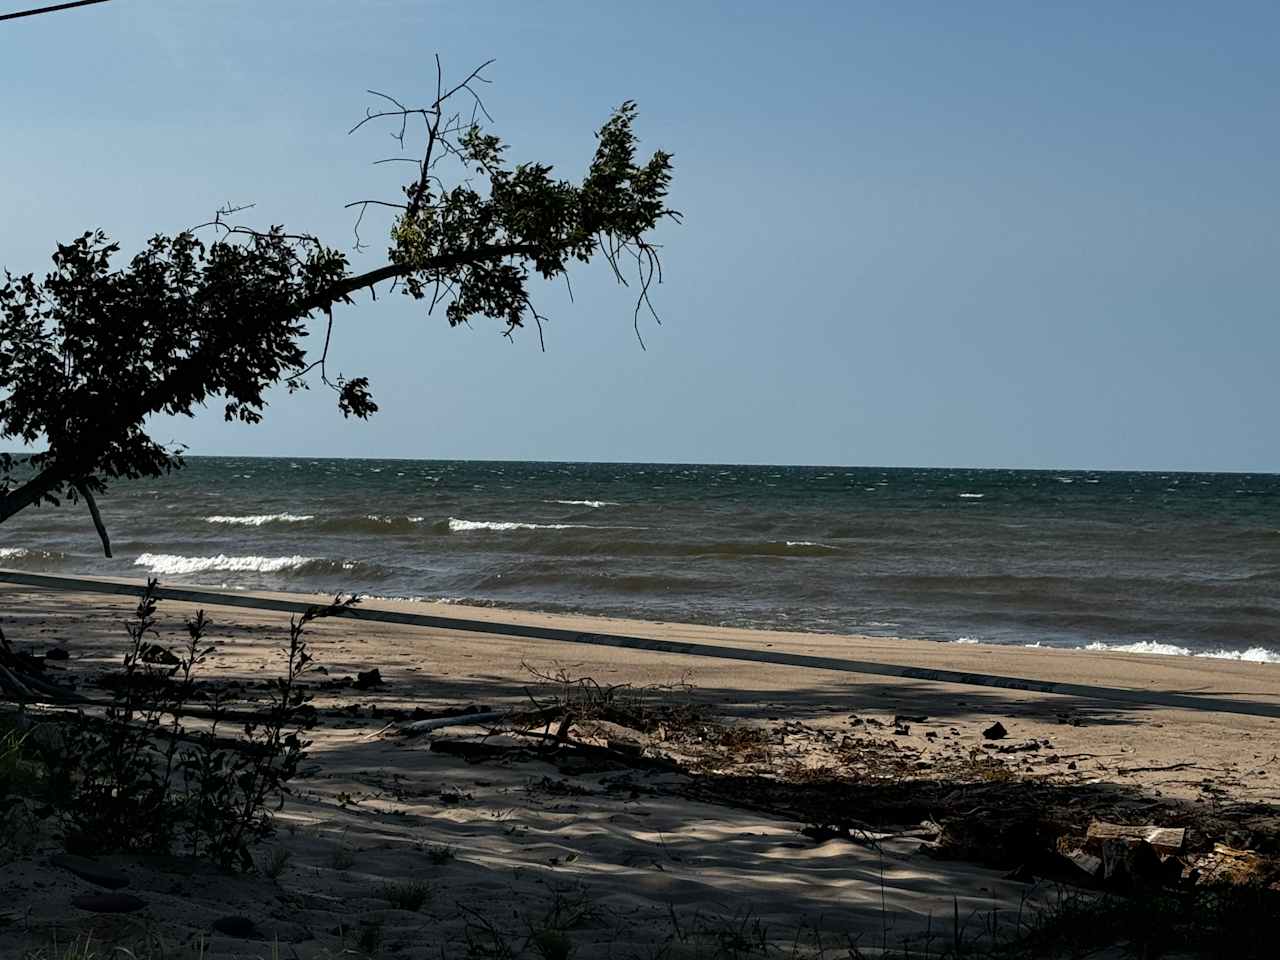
728, 463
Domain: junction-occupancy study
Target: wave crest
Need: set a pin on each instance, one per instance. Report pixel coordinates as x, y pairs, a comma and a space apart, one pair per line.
172, 563
259, 519
24, 557
1251, 655
456, 525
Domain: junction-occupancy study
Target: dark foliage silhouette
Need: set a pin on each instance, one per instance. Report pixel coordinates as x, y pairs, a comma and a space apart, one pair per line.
220, 312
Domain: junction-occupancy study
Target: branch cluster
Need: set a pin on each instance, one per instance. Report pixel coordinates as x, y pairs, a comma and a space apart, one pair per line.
93, 350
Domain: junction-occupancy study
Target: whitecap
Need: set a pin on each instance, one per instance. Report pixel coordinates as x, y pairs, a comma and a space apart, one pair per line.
457, 525
1252, 655
173, 563
463, 526
258, 519
972, 496
810, 543
966, 640
1141, 646
585, 503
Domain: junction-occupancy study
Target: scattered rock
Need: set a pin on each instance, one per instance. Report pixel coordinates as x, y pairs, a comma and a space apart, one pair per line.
91, 870
108, 902
240, 927
57, 653
367, 679
1025, 746
996, 731
903, 719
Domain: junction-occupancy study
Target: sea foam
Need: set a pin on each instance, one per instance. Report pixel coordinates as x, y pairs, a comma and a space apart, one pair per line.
1251, 655
22, 553
585, 503
1156, 648
173, 563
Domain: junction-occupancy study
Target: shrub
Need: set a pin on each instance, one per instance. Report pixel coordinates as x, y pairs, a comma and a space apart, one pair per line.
138, 777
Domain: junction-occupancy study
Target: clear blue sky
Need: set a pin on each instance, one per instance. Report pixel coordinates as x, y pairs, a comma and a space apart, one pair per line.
979, 234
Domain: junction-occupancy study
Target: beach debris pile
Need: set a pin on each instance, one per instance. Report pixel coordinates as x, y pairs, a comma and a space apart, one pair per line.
977, 795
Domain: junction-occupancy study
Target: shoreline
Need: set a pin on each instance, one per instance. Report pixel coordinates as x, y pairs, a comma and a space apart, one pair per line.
463, 609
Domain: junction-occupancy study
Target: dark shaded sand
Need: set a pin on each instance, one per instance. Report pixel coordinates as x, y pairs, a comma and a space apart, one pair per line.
654, 858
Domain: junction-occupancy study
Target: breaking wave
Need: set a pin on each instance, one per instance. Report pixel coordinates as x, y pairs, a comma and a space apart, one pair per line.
585, 503
367, 523
1155, 647
455, 525
171, 563
260, 519
1251, 655
22, 557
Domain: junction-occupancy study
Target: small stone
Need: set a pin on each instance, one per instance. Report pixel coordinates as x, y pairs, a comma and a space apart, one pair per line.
108, 902
56, 653
240, 927
91, 870
996, 731
369, 678
1025, 746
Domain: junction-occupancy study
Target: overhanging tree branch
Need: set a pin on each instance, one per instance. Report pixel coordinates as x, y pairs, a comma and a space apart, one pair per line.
87, 495
91, 352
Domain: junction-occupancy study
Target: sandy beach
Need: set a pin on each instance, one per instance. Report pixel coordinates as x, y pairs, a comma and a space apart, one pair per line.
912, 815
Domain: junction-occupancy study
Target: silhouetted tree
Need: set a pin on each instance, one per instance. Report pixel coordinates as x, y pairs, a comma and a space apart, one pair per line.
93, 350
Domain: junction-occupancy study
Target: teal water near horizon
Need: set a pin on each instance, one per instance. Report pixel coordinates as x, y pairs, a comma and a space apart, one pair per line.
1180, 563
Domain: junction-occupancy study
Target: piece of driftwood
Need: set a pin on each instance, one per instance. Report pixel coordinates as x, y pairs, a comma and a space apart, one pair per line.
185, 712
479, 718
1165, 840
476, 751
1184, 765
458, 720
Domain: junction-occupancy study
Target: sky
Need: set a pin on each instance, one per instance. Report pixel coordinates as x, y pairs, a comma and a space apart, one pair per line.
915, 234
